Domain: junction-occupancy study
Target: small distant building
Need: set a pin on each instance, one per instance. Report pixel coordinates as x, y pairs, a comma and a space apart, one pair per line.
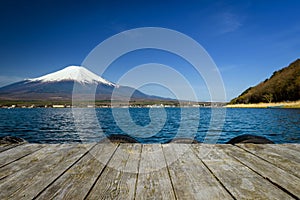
58, 106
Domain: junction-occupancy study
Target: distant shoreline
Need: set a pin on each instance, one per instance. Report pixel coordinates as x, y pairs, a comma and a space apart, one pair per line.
104, 104
292, 104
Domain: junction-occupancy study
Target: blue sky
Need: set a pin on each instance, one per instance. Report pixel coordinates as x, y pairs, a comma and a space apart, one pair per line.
247, 40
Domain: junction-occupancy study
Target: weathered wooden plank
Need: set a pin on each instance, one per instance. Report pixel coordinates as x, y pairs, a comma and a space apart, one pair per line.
284, 158
27, 162
190, 177
278, 176
76, 182
118, 180
153, 179
5, 147
18, 152
295, 147
280, 150
240, 181
31, 174
61, 171
293, 153
294, 150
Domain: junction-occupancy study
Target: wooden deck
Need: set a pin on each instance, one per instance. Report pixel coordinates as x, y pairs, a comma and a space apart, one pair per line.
149, 171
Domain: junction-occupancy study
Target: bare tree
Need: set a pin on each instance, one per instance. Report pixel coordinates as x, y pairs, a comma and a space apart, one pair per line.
268, 97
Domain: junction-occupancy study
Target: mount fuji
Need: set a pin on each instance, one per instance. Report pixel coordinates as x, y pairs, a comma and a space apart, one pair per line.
73, 73
59, 86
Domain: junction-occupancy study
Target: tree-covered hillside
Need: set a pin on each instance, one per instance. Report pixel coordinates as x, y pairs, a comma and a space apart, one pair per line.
283, 85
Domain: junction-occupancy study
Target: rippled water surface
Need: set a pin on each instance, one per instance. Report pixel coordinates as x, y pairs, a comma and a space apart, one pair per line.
156, 125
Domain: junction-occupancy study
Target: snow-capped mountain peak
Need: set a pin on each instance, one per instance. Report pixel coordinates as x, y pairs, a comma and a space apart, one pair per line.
73, 73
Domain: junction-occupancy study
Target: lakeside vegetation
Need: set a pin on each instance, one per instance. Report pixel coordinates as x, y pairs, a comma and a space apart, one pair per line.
293, 104
282, 86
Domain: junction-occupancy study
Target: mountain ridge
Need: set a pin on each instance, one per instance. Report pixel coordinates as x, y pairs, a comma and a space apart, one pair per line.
283, 85
73, 73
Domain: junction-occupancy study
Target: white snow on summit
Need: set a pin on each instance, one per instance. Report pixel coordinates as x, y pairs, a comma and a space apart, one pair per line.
73, 73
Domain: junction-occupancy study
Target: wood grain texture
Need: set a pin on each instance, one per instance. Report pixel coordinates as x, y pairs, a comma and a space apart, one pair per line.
25, 163
5, 147
153, 179
28, 176
190, 177
18, 152
150, 171
295, 147
240, 181
118, 180
77, 181
267, 170
285, 158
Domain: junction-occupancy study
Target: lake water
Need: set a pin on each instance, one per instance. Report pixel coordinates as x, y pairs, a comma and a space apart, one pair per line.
156, 125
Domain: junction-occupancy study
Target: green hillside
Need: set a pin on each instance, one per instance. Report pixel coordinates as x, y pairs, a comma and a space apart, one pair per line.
283, 85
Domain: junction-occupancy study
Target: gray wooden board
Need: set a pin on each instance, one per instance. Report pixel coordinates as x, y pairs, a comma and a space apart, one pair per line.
295, 147
292, 153
26, 162
240, 181
279, 150
287, 159
5, 147
277, 175
135, 171
31, 174
77, 181
153, 178
17, 152
118, 180
190, 177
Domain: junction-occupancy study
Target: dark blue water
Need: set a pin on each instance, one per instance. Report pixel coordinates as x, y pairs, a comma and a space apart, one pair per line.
157, 125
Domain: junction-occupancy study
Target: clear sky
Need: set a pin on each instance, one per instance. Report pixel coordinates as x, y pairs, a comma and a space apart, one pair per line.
247, 40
